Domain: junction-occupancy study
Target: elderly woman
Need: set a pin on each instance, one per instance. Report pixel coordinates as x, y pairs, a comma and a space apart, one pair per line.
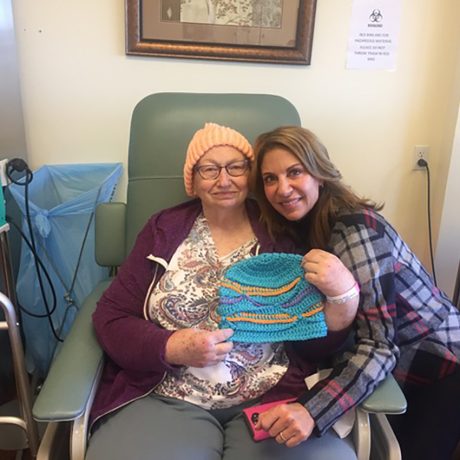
173, 385
404, 325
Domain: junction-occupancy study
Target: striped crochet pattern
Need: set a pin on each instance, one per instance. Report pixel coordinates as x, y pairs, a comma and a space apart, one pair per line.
266, 298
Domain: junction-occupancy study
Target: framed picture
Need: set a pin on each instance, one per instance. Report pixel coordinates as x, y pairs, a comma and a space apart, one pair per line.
274, 31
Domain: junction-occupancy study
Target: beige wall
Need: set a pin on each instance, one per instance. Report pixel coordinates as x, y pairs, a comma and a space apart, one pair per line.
12, 136
79, 89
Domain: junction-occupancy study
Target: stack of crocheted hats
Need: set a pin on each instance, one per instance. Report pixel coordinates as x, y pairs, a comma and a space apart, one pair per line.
267, 299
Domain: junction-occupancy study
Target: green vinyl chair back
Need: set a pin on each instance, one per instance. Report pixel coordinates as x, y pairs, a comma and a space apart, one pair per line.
161, 127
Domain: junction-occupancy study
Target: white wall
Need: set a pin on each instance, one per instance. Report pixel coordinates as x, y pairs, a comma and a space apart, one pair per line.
79, 89
448, 250
12, 136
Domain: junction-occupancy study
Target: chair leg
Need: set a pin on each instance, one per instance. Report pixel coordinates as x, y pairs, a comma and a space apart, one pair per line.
54, 444
385, 445
79, 436
78, 439
24, 392
362, 435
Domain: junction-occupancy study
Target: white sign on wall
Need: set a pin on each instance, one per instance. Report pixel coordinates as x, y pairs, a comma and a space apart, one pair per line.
374, 34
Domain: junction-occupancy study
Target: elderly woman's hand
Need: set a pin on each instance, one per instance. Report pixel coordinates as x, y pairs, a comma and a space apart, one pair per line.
197, 347
327, 272
289, 424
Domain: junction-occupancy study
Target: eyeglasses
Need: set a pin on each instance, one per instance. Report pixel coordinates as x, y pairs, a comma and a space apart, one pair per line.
211, 172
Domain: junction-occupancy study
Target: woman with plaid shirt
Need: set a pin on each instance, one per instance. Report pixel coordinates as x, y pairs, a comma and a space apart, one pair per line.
404, 325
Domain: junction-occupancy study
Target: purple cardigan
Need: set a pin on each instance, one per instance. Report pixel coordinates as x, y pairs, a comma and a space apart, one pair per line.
135, 347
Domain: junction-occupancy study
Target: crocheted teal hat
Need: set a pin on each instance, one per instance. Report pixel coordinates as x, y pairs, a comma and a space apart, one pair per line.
266, 298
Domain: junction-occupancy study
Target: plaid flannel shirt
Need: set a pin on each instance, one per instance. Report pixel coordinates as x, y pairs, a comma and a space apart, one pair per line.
404, 323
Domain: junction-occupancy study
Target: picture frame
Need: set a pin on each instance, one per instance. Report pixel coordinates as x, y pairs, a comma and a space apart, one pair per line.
265, 31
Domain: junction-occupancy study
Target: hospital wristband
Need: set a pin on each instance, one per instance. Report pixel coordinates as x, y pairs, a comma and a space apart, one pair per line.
346, 296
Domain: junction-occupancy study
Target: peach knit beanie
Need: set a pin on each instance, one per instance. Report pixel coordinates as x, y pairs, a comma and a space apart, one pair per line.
212, 135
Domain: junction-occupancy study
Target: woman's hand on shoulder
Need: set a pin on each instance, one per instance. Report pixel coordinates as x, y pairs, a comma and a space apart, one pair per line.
197, 347
289, 424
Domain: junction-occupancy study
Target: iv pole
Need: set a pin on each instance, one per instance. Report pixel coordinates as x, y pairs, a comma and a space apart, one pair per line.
11, 325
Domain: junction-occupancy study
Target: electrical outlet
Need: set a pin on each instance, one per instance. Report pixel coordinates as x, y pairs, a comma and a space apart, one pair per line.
420, 153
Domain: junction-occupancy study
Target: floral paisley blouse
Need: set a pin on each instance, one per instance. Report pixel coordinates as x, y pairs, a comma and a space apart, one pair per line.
187, 296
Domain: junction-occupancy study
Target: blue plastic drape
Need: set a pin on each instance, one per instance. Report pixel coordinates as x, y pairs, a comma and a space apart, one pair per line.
62, 200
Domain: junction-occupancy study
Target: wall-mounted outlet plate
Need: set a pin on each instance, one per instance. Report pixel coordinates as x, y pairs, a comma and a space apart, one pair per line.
421, 152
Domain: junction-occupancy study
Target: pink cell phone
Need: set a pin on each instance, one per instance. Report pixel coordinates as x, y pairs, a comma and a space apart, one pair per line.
251, 415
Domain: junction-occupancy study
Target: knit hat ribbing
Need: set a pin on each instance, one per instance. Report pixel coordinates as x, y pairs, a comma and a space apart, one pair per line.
212, 135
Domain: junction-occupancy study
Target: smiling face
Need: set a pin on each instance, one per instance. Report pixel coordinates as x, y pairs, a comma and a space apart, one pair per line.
289, 188
225, 191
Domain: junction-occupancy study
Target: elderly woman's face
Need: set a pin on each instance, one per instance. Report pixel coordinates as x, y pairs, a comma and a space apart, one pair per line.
230, 188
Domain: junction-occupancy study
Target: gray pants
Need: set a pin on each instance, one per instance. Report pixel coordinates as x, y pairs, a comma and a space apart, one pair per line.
159, 428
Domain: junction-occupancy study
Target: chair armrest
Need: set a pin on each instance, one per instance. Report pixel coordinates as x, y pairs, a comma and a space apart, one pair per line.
387, 398
110, 234
75, 370
369, 433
